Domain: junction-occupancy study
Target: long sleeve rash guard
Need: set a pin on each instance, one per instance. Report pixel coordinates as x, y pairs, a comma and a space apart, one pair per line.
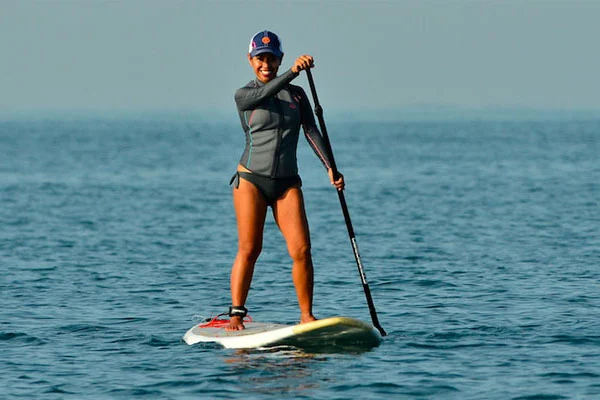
271, 115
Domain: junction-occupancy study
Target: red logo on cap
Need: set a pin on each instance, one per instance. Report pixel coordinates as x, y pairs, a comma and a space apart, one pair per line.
266, 40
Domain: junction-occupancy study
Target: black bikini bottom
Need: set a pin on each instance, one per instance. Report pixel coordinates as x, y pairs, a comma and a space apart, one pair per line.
270, 188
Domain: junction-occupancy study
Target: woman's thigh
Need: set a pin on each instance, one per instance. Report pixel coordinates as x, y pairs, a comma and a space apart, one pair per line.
290, 216
250, 210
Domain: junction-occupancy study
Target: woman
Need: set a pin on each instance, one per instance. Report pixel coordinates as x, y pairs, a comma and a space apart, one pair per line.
271, 112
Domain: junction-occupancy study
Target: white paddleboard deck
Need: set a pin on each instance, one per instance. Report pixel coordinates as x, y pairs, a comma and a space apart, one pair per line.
326, 332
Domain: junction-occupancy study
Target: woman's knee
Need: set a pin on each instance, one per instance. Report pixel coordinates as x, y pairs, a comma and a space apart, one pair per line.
300, 252
249, 251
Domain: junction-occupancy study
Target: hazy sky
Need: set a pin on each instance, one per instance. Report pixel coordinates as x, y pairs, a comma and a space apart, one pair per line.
148, 54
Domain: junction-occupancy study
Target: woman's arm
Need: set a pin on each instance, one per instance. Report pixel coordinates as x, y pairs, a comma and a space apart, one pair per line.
248, 97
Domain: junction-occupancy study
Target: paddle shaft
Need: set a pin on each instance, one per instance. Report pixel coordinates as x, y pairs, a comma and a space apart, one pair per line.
361, 271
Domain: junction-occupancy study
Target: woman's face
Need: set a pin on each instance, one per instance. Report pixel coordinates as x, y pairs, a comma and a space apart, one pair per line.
265, 66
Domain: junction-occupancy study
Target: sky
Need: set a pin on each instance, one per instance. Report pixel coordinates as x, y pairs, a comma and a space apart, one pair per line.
369, 55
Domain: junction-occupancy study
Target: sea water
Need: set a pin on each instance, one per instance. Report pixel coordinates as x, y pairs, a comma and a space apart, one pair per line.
480, 241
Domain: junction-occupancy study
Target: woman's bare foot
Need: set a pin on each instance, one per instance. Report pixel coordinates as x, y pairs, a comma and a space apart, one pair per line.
304, 318
235, 324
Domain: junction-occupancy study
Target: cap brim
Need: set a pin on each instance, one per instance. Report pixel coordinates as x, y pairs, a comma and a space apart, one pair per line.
256, 52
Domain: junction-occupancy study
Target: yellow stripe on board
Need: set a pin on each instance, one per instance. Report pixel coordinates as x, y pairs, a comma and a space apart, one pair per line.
329, 322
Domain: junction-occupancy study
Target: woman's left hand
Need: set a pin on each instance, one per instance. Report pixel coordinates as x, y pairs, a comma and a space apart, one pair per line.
339, 183
303, 62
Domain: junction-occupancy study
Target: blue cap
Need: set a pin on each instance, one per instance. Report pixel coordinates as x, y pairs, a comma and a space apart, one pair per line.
265, 42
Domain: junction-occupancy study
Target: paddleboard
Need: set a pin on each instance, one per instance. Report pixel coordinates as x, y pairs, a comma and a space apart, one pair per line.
327, 333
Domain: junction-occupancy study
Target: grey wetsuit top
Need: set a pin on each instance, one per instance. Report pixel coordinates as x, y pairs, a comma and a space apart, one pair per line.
271, 115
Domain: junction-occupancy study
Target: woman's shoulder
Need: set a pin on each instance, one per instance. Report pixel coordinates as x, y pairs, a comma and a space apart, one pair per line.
251, 84
242, 92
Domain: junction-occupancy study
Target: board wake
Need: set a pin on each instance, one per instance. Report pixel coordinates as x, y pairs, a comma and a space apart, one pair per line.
327, 333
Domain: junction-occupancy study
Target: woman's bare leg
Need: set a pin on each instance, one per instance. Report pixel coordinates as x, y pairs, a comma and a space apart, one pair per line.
290, 216
250, 210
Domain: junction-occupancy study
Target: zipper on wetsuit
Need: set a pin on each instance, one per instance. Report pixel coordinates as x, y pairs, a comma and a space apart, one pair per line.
279, 136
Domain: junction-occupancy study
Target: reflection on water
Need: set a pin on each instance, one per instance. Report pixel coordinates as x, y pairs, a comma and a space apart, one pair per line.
275, 370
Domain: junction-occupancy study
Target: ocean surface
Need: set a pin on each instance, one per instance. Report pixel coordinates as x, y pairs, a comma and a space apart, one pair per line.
480, 241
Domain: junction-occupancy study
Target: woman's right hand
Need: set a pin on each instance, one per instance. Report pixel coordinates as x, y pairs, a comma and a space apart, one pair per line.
340, 183
303, 62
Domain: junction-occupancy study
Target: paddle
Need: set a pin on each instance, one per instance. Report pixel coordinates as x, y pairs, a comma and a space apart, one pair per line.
336, 174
